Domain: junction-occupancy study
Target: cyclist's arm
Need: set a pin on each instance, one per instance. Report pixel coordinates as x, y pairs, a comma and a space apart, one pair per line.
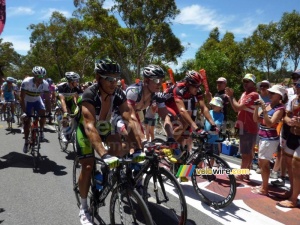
133, 135
63, 103
22, 100
139, 136
206, 113
185, 114
163, 113
89, 121
47, 101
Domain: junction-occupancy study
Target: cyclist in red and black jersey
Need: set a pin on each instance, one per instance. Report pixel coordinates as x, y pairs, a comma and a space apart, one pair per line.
182, 100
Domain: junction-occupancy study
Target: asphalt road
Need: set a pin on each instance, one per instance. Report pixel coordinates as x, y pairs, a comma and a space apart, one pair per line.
46, 196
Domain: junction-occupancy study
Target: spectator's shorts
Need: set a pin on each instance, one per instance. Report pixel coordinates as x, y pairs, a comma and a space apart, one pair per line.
150, 121
247, 142
267, 148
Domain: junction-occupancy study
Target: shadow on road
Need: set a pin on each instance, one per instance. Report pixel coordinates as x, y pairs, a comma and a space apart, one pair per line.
16, 159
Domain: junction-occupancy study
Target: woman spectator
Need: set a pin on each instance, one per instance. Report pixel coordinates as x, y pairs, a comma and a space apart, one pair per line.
268, 119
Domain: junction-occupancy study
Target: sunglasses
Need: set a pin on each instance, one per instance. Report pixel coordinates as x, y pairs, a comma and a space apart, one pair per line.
271, 93
264, 86
169, 83
246, 81
40, 76
110, 79
155, 80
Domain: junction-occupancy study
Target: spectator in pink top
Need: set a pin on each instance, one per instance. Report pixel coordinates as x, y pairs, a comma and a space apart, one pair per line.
247, 127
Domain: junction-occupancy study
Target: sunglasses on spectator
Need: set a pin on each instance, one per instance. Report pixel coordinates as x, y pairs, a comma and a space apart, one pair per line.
156, 80
110, 79
264, 86
271, 93
169, 83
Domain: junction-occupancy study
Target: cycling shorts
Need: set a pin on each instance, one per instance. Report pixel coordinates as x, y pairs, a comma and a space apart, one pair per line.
34, 107
9, 99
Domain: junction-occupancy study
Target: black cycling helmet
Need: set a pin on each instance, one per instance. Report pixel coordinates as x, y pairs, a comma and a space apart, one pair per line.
153, 71
107, 66
71, 76
38, 70
49, 80
193, 77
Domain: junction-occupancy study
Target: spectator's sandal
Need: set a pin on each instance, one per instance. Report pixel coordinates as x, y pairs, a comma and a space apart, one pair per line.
286, 204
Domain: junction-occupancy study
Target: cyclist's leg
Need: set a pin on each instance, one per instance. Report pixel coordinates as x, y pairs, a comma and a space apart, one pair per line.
39, 107
86, 159
26, 124
4, 110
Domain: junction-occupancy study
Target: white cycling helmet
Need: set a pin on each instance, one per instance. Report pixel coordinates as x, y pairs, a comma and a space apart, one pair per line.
10, 79
71, 76
38, 70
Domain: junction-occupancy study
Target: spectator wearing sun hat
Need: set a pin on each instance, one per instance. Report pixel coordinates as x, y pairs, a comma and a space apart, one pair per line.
216, 114
263, 90
247, 127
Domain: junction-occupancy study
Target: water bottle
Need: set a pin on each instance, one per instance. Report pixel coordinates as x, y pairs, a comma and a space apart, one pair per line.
99, 180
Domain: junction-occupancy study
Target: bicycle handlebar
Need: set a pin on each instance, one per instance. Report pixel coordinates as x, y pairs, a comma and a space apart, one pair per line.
204, 136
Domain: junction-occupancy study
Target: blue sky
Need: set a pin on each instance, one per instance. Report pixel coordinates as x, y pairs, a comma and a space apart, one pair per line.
192, 26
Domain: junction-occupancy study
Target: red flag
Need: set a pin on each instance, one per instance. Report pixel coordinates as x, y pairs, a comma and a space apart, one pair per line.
2, 15
171, 75
205, 84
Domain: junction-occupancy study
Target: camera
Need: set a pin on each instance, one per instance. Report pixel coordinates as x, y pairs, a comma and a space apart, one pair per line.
257, 102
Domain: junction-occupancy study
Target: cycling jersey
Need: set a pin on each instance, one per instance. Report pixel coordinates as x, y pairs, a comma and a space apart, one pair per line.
104, 127
33, 93
134, 95
9, 92
180, 91
69, 93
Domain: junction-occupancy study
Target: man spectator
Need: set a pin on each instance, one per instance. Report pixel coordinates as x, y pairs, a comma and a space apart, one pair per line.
245, 124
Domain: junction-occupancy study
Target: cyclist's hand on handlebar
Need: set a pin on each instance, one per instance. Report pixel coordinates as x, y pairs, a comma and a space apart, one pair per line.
65, 115
111, 161
23, 115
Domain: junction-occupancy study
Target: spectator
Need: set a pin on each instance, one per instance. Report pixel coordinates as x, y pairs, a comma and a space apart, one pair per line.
268, 117
150, 120
245, 124
285, 131
292, 150
263, 90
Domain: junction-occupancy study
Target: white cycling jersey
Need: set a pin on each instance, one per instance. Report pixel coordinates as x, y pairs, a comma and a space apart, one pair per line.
33, 93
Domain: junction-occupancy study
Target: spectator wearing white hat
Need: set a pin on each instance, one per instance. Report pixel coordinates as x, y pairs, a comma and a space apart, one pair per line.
263, 90
218, 117
245, 124
268, 118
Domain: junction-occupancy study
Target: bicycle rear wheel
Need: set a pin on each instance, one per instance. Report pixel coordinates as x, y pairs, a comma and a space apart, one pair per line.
127, 208
63, 145
76, 173
217, 190
35, 150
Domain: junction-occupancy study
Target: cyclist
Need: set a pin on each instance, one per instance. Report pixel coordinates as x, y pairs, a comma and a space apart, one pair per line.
94, 127
8, 94
147, 93
68, 93
30, 99
182, 100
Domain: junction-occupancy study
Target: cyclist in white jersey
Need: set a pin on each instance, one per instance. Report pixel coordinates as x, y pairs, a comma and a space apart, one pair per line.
31, 101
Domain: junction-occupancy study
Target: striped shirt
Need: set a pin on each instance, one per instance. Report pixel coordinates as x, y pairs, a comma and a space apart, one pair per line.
269, 133
33, 93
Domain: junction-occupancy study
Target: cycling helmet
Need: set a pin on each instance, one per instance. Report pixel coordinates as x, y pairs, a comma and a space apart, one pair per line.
10, 79
71, 76
107, 66
193, 77
38, 70
153, 71
49, 80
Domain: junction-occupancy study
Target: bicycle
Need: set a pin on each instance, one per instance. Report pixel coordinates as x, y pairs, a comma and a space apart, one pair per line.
71, 134
217, 190
126, 205
18, 112
156, 183
34, 140
9, 116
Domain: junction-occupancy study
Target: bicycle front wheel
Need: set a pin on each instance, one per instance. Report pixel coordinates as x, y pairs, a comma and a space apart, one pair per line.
215, 188
127, 208
165, 198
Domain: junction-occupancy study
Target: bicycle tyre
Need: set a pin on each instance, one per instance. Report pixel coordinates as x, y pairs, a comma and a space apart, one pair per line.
36, 151
175, 197
218, 190
122, 213
63, 145
76, 173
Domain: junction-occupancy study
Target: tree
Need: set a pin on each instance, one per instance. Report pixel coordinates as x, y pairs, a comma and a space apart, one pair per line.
145, 37
289, 27
265, 47
10, 60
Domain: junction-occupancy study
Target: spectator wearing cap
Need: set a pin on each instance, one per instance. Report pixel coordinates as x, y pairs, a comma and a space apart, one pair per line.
245, 124
263, 90
218, 117
268, 116
292, 149
221, 85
